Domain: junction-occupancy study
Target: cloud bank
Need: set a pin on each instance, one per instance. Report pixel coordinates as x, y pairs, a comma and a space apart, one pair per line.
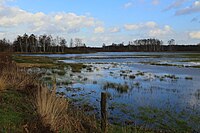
48, 23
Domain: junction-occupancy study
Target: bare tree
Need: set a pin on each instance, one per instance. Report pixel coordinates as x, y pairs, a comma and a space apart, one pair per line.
71, 43
171, 42
78, 42
63, 43
25, 40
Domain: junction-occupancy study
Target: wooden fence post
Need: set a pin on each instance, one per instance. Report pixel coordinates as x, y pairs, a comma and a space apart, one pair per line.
103, 112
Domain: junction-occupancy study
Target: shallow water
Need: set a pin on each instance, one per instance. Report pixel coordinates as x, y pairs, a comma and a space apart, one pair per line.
167, 88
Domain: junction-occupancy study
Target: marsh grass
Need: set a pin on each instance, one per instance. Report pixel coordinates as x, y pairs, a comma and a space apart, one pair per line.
188, 78
166, 120
46, 62
128, 129
13, 77
122, 88
26, 105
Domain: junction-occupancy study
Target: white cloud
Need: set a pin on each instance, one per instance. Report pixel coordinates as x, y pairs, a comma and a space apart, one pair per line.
195, 35
195, 7
108, 39
175, 4
131, 26
99, 29
128, 5
4, 1
39, 22
160, 31
149, 29
2, 34
197, 3
115, 30
149, 24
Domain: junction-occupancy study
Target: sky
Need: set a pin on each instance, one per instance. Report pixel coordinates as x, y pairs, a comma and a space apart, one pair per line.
103, 21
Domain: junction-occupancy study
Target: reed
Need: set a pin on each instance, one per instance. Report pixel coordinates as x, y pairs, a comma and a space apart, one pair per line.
55, 112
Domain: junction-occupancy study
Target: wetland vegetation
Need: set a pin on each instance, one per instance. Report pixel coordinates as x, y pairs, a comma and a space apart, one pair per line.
141, 97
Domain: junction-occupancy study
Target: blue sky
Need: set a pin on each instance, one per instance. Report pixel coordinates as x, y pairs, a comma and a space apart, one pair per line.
100, 21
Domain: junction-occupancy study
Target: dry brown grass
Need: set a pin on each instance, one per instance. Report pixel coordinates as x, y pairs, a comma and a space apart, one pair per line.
30, 65
50, 108
13, 77
2, 84
56, 114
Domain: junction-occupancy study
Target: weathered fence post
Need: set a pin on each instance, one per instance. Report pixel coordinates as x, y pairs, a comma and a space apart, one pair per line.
103, 112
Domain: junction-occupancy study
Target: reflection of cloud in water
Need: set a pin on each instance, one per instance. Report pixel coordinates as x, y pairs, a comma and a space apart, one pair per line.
68, 61
99, 73
194, 63
193, 99
194, 102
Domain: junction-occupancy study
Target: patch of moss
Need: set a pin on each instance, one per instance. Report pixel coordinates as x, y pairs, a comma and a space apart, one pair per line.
61, 73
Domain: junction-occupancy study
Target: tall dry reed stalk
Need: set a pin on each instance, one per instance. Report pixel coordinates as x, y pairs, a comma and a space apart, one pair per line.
50, 107
55, 113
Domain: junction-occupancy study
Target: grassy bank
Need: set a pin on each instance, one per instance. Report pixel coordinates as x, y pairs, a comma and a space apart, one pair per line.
28, 106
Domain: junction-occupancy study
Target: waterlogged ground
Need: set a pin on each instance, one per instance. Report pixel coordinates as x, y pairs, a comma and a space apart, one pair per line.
155, 90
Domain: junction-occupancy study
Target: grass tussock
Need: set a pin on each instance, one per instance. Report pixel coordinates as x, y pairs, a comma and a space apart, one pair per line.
122, 88
56, 114
50, 108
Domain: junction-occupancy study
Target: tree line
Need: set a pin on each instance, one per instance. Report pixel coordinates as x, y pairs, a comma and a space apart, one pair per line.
149, 45
46, 43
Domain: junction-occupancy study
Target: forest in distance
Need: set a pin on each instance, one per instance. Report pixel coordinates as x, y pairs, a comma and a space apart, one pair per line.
48, 44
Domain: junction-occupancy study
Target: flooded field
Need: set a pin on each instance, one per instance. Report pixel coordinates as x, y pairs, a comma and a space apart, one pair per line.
156, 90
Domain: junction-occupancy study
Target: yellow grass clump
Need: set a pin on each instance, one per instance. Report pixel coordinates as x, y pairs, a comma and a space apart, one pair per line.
55, 112
50, 107
2, 84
